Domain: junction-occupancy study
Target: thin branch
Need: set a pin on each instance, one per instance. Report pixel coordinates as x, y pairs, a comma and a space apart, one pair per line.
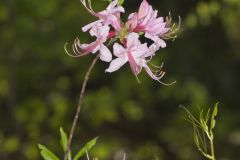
86, 78
212, 149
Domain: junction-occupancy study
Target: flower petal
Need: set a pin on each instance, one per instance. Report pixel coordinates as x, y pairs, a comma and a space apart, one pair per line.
105, 54
114, 21
132, 40
118, 50
140, 50
112, 5
97, 47
132, 21
116, 64
90, 25
143, 10
136, 69
94, 30
103, 32
152, 49
159, 42
118, 10
147, 18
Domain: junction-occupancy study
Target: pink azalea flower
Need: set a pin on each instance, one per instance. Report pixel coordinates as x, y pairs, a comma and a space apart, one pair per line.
138, 55
101, 32
146, 20
155, 29
135, 53
109, 16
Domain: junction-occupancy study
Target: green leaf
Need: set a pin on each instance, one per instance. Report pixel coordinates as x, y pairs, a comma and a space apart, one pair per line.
46, 153
191, 118
196, 137
214, 114
64, 139
87, 147
202, 122
207, 116
64, 142
120, 2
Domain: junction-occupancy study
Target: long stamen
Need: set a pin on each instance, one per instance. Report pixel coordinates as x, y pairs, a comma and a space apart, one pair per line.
160, 74
88, 6
157, 74
75, 50
76, 47
172, 34
166, 84
69, 54
137, 79
78, 52
148, 60
158, 67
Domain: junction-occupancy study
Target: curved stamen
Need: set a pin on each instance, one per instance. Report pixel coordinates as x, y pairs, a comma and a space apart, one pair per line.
172, 34
166, 84
148, 60
77, 49
158, 67
69, 54
157, 75
160, 74
88, 6
76, 45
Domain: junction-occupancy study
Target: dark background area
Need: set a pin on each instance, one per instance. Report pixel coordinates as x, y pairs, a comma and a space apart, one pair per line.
40, 84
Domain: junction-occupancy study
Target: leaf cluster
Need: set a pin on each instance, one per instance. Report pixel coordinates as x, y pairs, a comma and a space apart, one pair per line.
203, 126
47, 154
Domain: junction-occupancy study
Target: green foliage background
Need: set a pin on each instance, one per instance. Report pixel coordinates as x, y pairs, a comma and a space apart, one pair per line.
40, 84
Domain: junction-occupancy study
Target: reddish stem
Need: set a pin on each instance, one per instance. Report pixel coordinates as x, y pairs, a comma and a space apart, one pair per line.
86, 78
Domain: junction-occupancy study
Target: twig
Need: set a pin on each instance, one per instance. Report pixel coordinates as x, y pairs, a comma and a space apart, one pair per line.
79, 105
212, 149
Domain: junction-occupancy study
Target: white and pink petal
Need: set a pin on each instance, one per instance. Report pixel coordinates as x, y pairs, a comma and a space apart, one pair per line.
118, 9
118, 50
103, 32
135, 67
105, 54
132, 40
116, 64
140, 50
90, 25
132, 21
143, 10
112, 5
159, 42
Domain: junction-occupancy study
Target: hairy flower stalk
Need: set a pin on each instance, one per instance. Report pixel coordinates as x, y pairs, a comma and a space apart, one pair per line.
125, 37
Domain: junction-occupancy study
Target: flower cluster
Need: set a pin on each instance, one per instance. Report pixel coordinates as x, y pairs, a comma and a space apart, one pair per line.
110, 27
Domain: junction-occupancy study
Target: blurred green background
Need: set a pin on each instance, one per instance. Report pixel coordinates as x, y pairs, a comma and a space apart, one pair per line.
40, 84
